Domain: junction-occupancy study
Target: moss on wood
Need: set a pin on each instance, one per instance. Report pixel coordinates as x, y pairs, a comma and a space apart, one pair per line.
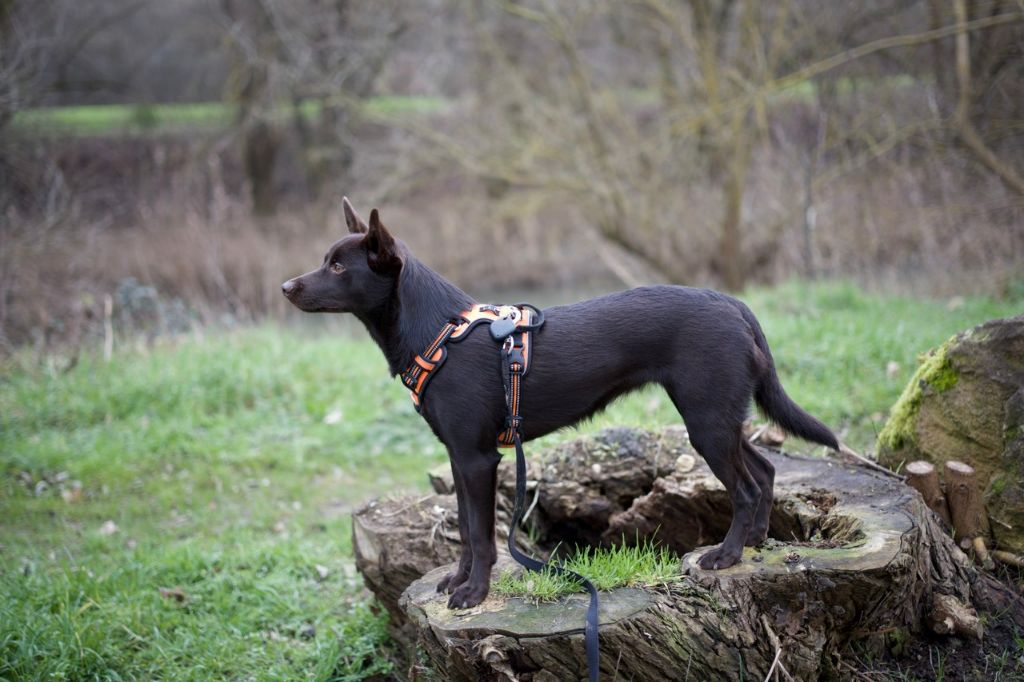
936, 373
965, 403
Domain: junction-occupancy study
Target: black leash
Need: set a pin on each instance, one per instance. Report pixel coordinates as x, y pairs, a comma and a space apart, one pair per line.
511, 326
513, 362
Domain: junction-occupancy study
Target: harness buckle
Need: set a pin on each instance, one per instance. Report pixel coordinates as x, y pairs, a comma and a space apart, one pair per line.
502, 327
505, 323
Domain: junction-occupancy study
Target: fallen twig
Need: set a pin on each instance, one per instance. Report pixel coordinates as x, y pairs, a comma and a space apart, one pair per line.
536, 496
860, 459
774, 639
412, 504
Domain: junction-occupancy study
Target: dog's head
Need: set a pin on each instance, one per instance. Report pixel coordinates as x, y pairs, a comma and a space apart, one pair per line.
358, 273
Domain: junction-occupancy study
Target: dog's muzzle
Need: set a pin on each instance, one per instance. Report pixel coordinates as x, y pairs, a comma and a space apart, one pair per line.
291, 287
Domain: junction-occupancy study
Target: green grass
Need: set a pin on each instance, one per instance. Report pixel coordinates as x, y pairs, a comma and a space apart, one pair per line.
640, 565
110, 119
101, 119
230, 463
229, 467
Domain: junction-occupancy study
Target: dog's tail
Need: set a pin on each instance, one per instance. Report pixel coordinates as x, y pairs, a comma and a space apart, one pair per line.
776, 404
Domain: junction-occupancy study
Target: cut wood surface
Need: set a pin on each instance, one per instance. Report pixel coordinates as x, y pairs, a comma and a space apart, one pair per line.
922, 477
856, 558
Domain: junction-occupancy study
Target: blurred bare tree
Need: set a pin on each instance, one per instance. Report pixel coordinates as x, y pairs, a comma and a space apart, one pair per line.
21, 51
649, 115
721, 142
322, 56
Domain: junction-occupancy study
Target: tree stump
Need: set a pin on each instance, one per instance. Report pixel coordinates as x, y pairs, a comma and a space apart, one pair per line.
922, 477
854, 557
965, 506
966, 403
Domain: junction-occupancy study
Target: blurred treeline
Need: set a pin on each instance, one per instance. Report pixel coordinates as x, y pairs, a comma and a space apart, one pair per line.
165, 160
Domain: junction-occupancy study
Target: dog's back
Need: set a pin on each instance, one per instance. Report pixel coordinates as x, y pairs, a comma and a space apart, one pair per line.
695, 342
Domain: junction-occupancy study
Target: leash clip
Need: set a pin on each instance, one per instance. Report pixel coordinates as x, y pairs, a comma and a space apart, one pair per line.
509, 344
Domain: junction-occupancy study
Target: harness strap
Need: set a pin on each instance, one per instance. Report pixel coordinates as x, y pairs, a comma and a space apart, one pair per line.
512, 377
415, 377
423, 367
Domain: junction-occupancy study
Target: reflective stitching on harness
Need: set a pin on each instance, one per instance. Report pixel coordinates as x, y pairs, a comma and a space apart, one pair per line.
417, 375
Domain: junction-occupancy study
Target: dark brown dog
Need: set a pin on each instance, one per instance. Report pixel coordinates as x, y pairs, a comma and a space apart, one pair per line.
705, 348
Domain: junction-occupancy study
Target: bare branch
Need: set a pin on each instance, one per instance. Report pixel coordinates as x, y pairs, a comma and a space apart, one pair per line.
972, 140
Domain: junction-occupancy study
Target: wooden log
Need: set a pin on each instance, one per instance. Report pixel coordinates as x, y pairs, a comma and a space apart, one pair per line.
981, 553
1008, 558
966, 508
950, 616
922, 477
854, 557
869, 573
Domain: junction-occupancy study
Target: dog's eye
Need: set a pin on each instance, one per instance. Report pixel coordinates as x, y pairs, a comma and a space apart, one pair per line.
337, 268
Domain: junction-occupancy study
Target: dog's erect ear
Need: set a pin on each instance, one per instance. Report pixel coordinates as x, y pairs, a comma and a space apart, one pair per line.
352, 219
381, 250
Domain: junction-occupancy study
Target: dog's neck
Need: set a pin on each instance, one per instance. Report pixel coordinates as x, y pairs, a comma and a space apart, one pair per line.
419, 305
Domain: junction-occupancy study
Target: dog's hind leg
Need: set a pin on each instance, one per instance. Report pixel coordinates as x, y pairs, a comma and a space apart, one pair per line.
461, 572
724, 455
479, 471
718, 442
764, 475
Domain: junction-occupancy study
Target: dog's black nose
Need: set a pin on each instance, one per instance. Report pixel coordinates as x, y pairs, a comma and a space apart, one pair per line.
291, 287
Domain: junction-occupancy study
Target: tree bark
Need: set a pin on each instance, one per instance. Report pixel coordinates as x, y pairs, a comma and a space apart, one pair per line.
249, 88
951, 616
731, 242
260, 156
965, 506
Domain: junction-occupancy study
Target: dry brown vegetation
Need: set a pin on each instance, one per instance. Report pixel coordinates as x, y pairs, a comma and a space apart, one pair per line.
720, 142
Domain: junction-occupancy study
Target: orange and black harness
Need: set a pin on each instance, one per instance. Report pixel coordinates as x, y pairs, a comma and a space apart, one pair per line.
512, 326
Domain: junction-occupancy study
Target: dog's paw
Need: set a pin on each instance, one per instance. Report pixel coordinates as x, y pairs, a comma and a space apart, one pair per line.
719, 558
467, 596
756, 537
451, 581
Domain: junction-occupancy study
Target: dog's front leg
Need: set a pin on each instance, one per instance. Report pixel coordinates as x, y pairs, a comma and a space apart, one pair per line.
461, 572
479, 471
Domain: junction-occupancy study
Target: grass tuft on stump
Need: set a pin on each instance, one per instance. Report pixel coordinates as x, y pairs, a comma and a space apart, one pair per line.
640, 565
